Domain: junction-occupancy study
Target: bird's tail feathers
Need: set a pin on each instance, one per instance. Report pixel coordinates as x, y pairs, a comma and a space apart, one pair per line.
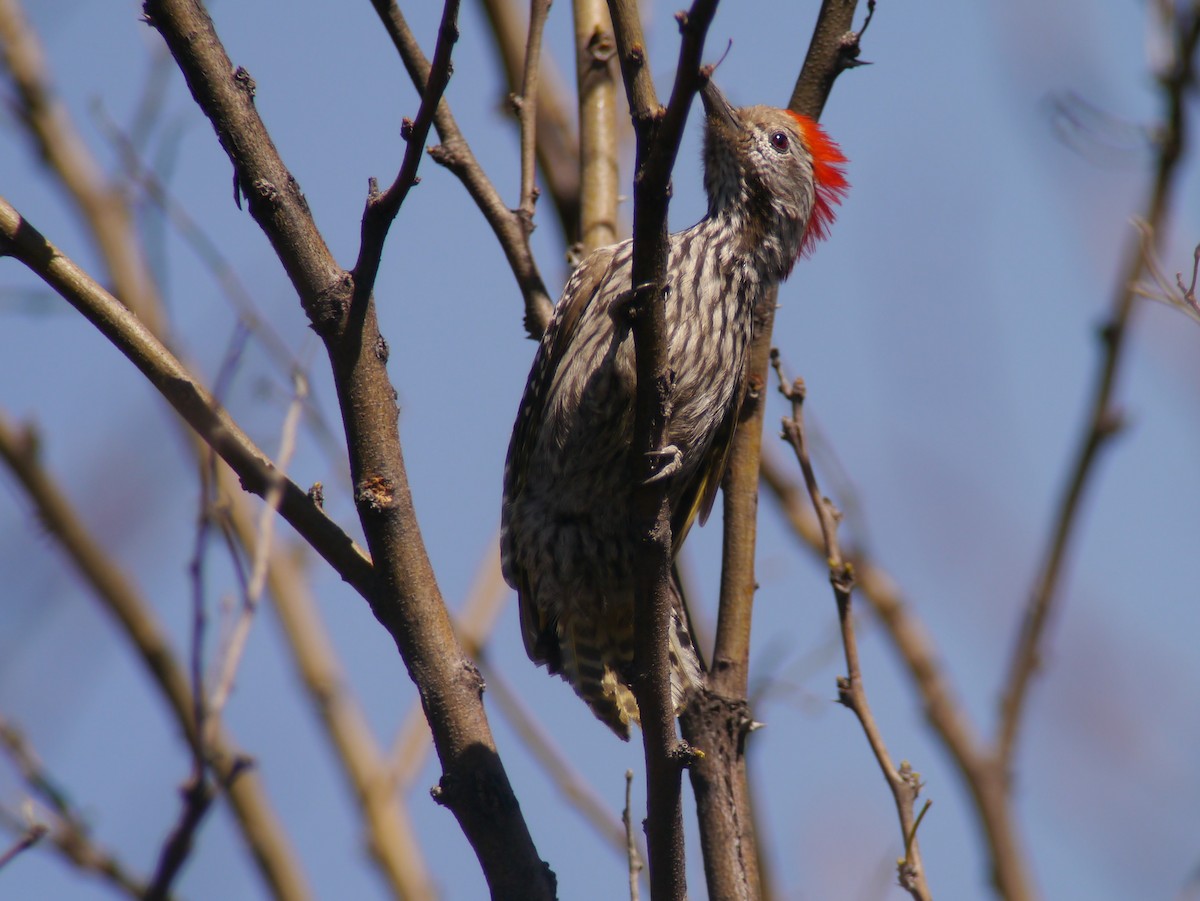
597, 661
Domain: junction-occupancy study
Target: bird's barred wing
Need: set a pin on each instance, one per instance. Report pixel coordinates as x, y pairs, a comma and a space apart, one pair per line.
701, 492
586, 283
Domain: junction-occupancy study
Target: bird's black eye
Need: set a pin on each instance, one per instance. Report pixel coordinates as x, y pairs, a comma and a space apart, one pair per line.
779, 141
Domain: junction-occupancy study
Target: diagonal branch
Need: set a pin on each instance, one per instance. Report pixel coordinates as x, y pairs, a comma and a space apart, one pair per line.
264, 833
1104, 419
189, 398
382, 208
455, 154
404, 594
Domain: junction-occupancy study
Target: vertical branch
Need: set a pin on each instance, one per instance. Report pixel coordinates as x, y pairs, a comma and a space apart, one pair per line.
526, 106
720, 720
658, 134
557, 145
599, 174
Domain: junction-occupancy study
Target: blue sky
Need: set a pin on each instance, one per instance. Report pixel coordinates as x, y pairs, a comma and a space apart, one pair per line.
947, 334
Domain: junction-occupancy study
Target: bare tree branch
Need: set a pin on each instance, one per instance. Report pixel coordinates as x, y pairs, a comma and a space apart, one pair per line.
382, 209
456, 155
526, 105
404, 595
1104, 419
720, 720
264, 833
658, 134
183, 392
557, 145
599, 172
903, 782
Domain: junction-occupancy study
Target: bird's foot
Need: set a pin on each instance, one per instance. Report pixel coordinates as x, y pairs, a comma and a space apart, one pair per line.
664, 463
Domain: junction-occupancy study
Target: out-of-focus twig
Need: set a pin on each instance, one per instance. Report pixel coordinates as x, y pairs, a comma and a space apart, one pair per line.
33, 834
903, 782
631, 848
227, 666
599, 150
46, 121
1176, 82
1178, 295
263, 831
66, 830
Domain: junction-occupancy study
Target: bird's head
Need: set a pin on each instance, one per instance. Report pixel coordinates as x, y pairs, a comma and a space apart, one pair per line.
775, 171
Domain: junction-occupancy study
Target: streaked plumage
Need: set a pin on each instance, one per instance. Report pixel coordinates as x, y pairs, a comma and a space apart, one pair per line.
566, 541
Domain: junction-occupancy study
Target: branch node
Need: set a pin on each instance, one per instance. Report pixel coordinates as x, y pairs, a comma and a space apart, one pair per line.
243, 80
684, 755
375, 494
316, 494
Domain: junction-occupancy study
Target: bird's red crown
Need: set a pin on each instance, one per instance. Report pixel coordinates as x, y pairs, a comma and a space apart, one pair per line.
829, 180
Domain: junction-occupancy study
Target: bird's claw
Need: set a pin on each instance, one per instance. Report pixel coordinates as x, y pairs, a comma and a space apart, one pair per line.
664, 463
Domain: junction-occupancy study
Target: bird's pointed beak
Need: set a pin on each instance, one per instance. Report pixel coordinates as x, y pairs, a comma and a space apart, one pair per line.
716, 106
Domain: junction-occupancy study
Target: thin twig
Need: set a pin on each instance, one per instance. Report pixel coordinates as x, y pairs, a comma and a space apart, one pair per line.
197, 794
557, 146
903, 782
455, 154
227, 667
382, 209
526, 105
30, 837
631, 848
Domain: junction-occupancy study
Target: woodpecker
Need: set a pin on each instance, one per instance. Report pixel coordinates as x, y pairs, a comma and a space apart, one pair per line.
567, 543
